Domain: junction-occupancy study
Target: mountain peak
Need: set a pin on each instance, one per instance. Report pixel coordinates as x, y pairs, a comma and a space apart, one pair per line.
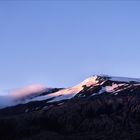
90, 81
114, 78
96, 84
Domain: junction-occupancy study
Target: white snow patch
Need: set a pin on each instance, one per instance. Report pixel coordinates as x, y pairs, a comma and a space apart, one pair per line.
116, 93
102, 90
113, 87
124, 79
109, 89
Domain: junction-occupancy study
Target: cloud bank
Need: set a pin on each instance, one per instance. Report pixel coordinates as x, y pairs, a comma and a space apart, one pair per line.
15, 95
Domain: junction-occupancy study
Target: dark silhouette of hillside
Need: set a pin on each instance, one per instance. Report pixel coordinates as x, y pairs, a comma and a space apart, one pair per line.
101, 117
106, 116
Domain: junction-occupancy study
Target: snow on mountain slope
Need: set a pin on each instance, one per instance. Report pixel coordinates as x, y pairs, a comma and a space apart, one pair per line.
96, 80
119, 79
125, 79
97, 84
70, 92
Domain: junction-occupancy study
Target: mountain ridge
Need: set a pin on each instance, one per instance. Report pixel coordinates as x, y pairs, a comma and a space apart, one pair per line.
57, 94
99, 108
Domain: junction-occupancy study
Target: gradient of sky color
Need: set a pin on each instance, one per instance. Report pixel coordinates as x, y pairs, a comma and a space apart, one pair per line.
59, 43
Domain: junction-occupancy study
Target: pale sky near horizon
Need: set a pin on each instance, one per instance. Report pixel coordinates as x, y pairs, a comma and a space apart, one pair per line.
60, 43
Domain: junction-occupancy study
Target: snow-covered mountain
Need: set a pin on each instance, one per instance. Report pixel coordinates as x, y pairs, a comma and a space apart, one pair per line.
96, 84
106, 84
100, 107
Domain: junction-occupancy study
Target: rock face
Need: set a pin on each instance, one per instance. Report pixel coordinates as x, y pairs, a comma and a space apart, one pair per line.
99, 108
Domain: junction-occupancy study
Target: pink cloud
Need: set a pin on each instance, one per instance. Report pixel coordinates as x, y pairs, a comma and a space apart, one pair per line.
26, 91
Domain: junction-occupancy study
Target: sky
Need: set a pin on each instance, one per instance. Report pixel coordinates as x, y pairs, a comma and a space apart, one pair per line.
60, 43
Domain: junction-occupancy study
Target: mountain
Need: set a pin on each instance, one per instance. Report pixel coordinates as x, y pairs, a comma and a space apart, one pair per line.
100, 108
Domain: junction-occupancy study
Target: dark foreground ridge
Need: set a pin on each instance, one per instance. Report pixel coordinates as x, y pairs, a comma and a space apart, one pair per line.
104, 109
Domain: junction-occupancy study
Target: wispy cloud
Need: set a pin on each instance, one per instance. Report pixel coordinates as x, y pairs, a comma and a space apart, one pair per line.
9, 99
26, 91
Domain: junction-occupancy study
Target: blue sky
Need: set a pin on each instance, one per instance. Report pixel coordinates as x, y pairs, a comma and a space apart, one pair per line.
59, 43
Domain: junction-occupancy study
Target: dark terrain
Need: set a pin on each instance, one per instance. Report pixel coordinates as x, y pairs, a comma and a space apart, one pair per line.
108, 116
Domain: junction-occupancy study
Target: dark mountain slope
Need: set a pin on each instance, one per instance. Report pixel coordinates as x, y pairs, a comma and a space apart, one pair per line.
97, 112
